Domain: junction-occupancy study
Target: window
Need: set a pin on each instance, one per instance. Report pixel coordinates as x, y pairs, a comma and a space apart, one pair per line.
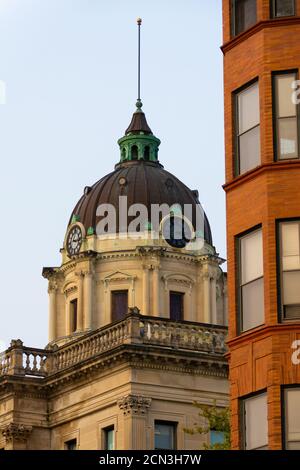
292, 418
109, 438
247, 129
73, 315
147, 153
71, 445
282, 8
243, 15
255, 422
289, 233
119, 304
134, 152
251, 280
285, 117
176, 306
165, 435
216, 437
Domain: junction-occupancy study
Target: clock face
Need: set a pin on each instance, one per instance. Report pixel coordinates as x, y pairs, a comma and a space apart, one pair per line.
74, 240
176, 232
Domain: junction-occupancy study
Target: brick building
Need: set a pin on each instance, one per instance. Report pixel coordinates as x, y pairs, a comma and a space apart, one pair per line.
261, 65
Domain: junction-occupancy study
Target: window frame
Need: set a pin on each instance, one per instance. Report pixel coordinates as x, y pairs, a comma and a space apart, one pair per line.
182, 296
236, 122
112, 293
273, 10
66, 443
283, 390
73, 309
233, 19
280, 307
239, 303
242, 414
105, 432
174, 424
275, 118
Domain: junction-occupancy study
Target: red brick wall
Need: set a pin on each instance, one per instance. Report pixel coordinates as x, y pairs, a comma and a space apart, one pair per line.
261, 358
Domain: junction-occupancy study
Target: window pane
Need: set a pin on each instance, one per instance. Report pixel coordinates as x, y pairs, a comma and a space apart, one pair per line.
164, 436
216, 437
109, 439
284, 93
251, 256
249, 150
284, 8
253, 304
292, 417
248, 104
291, 288
119, 305
245, 14
290, 246
176, 306
256, 421
287, 136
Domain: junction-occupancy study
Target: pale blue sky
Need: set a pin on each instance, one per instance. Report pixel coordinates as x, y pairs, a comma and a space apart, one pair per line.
70, 73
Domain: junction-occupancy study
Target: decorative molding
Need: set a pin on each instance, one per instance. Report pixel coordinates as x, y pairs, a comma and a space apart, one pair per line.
69, 288
118, 276
18, 432
134, 405
181, 279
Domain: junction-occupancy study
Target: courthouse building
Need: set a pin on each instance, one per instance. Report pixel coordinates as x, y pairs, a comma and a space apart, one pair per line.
137, 326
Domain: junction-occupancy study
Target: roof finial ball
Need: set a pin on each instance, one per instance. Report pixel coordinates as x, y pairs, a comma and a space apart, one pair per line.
139, 21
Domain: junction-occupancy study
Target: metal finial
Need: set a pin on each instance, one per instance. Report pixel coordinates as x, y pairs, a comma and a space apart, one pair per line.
139, 103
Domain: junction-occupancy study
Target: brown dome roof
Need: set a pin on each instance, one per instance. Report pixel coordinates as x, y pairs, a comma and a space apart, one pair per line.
142, 182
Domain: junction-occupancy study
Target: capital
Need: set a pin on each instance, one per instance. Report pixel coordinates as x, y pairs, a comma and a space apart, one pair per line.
134, 404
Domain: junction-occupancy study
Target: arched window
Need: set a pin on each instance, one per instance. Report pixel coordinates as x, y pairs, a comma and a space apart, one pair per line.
124, 154
134, 152
147, 153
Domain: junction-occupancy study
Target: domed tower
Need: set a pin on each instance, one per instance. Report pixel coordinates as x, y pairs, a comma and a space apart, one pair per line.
117, 254
136, 324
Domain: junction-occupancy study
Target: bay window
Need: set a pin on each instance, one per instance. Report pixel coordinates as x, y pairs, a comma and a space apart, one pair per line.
289, 234
251, 281
286, 125
291, 405
247, 129
243, 15
281, 8
255, 422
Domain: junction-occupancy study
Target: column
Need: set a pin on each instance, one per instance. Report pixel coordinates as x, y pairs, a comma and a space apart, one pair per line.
80, 303
52, 312
135, 411
145, 290
155, 291
206, 297
214, 300
88, 300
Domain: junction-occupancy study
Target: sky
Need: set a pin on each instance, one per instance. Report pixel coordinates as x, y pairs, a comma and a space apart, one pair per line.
67, 93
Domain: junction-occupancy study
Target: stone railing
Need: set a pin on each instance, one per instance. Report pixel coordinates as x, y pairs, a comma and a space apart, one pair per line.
135, 329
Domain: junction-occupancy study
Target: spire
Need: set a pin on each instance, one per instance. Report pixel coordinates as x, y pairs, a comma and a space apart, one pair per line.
139, 143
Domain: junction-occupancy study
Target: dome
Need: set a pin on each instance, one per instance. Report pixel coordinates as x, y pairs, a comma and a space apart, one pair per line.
143, 182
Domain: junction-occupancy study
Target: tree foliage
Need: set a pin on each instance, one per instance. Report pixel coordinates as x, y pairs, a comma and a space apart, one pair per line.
216, 419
